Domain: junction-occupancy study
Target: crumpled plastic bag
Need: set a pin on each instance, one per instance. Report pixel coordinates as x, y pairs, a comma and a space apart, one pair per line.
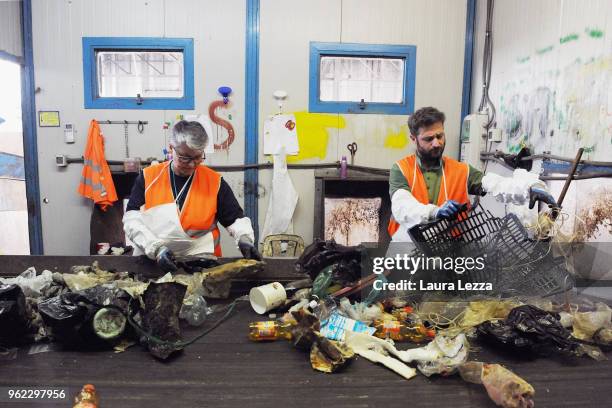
87, 276
378, 351
483, 310
134, 288
586, 324
321, 254
32, 285
530, 330
14, 325
194, 309
504, 387
361, 311
448, 311
70, 316
443, 355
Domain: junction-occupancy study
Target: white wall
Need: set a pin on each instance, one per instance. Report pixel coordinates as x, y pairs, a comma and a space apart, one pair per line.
10, 27
437, 28
552, 64
551, 83
218, 30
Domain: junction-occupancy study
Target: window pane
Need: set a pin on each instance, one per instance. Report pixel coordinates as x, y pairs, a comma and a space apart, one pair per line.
152, 74
351, 79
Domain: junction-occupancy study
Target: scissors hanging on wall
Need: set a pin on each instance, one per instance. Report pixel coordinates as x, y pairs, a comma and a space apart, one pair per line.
352, 148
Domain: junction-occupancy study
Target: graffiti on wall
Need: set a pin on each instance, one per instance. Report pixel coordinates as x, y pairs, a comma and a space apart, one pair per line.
557, 107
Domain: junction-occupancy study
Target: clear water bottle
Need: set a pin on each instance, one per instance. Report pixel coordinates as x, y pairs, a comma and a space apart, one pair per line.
323, 308
195, 313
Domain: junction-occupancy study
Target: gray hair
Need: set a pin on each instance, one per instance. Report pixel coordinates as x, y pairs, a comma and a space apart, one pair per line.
190, 133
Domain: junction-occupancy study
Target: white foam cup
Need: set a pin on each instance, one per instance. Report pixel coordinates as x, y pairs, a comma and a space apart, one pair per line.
267, 297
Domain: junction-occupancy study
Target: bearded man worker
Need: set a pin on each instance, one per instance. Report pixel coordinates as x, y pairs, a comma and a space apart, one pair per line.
174, 206
428, 185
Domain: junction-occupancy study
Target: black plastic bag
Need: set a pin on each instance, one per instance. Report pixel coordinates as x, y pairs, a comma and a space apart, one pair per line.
68, 318
529, 330
320, 254
14, 323
70, 315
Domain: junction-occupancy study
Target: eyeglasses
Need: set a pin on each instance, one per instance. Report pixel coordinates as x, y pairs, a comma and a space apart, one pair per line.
189, 160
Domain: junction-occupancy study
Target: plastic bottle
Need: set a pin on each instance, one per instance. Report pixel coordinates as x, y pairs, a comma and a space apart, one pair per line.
86, 398
322, 308
269, 331
399, 331
343, 169
195, 313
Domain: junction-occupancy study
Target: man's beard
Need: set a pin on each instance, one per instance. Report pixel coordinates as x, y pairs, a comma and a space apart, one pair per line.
431, 156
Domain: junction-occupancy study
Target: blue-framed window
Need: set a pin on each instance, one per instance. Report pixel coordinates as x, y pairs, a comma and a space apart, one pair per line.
138, 73
362, 78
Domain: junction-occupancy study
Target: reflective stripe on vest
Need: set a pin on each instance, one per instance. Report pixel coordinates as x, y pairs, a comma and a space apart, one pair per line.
198, 215
96, 180
454, 184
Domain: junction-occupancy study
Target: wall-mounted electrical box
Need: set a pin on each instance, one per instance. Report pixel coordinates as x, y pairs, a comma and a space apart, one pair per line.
69, 133
495, 135
473, 139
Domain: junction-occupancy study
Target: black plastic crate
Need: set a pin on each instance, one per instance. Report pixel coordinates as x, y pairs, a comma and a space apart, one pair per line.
450, 237
515, 264
543, 276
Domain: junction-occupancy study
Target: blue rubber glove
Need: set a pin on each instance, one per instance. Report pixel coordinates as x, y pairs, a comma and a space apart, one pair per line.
165, 259
539, 194
448, 210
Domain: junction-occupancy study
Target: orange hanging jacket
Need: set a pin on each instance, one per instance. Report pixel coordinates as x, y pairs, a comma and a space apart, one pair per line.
198, 214
455, 177
96, 180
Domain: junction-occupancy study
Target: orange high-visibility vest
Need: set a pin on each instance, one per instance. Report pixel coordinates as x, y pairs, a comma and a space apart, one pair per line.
455, 177
96, 180
198, 214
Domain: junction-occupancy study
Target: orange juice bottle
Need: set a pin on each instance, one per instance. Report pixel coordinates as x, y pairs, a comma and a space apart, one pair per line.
269, 331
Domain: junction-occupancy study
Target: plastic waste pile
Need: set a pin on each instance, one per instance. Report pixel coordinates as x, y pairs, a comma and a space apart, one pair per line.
94, 309
408, 336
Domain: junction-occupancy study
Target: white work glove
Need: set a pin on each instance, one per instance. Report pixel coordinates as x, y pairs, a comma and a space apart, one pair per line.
140, 234
378, 350
407, 210
240, 227
512, 190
